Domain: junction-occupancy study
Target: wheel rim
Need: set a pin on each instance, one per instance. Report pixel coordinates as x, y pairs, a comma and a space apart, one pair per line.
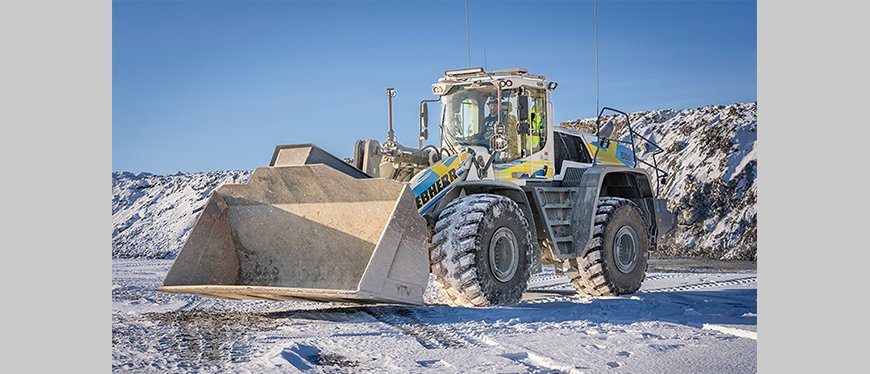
503, 254
625, 249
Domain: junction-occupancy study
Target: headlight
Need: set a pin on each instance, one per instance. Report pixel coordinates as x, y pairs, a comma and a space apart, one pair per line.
439, 89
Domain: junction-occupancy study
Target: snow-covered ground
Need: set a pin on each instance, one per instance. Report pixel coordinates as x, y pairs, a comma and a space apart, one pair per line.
680, 322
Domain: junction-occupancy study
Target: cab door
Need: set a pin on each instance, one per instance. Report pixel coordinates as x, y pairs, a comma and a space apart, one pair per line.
535, 140
534, 161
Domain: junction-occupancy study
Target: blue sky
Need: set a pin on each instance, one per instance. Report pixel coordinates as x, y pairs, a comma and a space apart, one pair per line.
215, 85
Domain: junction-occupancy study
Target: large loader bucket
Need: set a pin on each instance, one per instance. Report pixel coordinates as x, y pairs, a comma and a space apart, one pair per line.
308, 232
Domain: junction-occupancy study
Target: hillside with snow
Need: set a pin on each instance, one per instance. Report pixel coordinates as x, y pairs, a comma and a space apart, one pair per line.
152, 214
711, 159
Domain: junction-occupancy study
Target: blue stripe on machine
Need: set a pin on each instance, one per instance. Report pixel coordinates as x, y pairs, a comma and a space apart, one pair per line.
427, 180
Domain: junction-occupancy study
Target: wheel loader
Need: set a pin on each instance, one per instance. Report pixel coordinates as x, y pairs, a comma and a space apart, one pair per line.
504, 192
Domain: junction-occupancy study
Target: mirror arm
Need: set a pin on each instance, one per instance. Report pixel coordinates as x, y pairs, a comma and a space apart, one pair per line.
424, 120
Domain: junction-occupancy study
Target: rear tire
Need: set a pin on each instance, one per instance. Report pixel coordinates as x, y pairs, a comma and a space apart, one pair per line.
481, 251
616, 260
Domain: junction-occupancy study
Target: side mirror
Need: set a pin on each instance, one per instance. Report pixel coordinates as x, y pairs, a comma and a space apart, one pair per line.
424, 122
604, 135
523, 109
606, 130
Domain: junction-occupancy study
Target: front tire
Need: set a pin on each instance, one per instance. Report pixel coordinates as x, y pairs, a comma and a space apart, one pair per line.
481, 251
617, 257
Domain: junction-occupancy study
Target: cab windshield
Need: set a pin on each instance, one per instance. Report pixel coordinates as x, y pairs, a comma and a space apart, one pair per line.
469, 115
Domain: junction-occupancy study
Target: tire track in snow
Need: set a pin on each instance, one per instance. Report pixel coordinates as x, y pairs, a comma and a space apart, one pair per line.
203, 339
687, 287
545, 283
557, 299
544, 280
429, 336
710, 284
553, 287
665, 276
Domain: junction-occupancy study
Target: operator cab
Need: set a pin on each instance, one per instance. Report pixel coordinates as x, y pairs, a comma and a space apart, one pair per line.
509, 114
476, 105
504, 111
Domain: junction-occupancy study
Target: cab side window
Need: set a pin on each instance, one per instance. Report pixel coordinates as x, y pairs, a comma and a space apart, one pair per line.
569, 148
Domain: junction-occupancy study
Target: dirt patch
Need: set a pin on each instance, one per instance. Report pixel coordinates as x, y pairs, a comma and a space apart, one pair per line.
208, 338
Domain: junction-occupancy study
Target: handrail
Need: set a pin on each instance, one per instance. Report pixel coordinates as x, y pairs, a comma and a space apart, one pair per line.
660, 173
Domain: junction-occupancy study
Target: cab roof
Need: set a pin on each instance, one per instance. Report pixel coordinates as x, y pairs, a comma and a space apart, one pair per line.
477, 74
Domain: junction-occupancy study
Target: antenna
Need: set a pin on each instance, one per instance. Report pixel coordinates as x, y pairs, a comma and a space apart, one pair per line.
595, 11
484, 59
467, 33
